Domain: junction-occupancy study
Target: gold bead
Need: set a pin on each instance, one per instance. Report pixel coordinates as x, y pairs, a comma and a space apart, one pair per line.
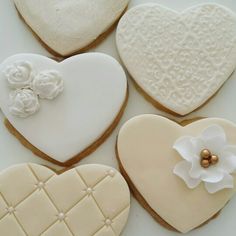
214, 159
205, 163
205, 154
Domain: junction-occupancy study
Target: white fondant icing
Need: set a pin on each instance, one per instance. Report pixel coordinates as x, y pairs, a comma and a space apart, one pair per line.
19, 74
62, 207
216, 177
23, 102
180, 59
69, 25
47, 84
96, 88
145, 148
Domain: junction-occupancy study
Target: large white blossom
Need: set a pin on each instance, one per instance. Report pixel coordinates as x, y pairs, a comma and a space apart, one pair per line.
216, 177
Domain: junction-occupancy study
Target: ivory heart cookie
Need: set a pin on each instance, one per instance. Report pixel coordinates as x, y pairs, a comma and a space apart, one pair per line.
68, 26
182, 175
178, 60
62, 111
87, 200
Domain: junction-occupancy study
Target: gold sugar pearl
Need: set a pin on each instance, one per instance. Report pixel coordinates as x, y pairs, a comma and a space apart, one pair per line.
214, 159
205, 163
205, 154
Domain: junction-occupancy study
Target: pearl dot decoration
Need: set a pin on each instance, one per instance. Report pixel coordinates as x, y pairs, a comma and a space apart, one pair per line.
61, 216
108, 222
111, 173
10, 210
89, 191
208, 159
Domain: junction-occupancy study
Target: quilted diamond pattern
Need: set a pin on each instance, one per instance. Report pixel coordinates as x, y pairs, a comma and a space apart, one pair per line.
24, 184
10, 225
3, 207
73, 190
44, 212
80, 225
85, 201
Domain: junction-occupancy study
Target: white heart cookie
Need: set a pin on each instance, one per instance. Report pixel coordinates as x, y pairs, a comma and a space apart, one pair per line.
87, 104
87, 200
148, 159
67, 26
179, 60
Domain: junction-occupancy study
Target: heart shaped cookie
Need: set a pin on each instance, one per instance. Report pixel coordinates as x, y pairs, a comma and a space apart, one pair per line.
163, 163
68, 26
178, 60
62, 111
87, 200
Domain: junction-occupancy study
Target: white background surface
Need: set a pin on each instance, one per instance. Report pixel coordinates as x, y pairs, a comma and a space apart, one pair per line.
16, 38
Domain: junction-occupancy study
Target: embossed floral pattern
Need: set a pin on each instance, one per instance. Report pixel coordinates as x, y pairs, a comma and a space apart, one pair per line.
217, 176
179, 59
29, 86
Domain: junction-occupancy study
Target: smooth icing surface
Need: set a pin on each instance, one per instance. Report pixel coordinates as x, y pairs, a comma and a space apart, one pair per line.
145, 148
179, 59
36, 201
69, 25
95, 88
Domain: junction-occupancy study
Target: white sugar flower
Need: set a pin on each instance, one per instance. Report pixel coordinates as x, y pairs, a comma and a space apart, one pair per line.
19, 74
47, 84
23, 102
215, 169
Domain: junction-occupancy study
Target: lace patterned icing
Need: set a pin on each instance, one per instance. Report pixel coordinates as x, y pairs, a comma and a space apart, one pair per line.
23, 102
19, 74
180, 60
47, 84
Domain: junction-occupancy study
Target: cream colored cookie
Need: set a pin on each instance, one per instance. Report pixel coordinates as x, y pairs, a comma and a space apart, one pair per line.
87, 200
163, 163
178, 60
68, 26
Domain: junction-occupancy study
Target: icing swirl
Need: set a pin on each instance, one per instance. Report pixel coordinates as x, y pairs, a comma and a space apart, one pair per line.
23, 102
47, 84
19, 74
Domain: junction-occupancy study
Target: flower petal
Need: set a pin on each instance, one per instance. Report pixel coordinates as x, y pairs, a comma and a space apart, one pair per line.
227, 162
184, 147
226, 182
196, 170
212, 175
214, 138
182, 170
198, 145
